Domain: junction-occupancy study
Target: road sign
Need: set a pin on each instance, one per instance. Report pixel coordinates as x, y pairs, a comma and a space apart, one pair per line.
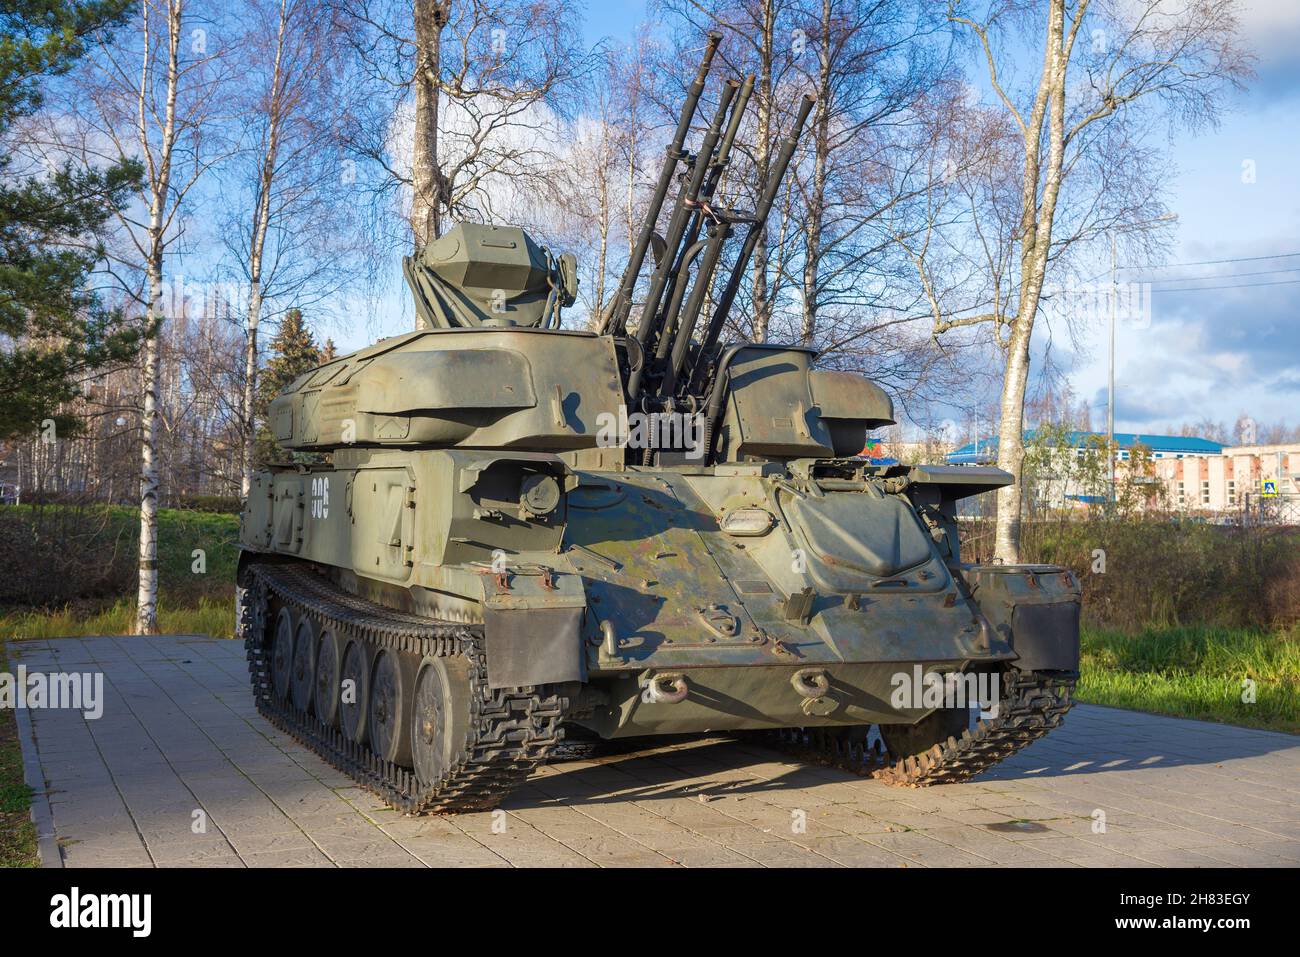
1268, 488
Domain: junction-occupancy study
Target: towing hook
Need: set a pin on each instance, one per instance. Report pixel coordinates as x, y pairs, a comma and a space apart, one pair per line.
666, 689
811, 682
609, 639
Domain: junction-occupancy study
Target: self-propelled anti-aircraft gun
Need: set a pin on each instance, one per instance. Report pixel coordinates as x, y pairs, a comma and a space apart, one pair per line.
517, 530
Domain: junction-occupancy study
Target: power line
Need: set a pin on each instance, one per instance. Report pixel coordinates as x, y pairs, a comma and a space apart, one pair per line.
1242, 285
1218, 262
1234, 275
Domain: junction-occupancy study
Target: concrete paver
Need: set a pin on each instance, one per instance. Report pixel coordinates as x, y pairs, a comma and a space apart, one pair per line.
181, 771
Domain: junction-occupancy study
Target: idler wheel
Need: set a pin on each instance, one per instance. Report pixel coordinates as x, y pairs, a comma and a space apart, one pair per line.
303, 666
354, 689
282, 654
392, 689
326, 678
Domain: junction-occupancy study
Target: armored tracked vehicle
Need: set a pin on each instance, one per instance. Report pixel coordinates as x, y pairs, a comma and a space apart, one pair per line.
510, 529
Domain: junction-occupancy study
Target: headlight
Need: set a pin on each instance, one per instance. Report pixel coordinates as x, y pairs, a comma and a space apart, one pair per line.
747, 521
540, 494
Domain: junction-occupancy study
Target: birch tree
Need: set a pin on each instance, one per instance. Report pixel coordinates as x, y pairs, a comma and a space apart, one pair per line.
1076, 145
151, 93
601, 172
879, 71
460, 98
290, 234
428, 186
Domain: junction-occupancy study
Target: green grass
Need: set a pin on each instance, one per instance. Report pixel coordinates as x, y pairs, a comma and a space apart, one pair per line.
205, 614
17, 832
1196, 672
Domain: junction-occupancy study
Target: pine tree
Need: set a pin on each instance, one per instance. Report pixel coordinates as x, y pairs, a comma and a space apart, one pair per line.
293, 353
55, 331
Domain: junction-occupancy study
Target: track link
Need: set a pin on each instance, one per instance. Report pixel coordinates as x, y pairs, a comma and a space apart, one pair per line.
1033, 703
513, 730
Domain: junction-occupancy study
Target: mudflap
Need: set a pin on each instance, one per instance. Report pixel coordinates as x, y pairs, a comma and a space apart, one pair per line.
1046, 636
1033, 607
533, 646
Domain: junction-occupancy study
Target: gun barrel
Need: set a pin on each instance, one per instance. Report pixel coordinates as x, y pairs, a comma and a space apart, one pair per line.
621, 306
685, 209
698, 193
712, 251
689, 245
768, 196
733, 127
703, 282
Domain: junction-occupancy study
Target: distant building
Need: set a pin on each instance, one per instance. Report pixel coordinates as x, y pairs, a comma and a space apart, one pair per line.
929, 452
1074, 474
1240, 478
985, 451
1198, 476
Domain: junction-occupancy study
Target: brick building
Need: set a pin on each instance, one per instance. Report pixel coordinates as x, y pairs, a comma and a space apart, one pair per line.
1233, 479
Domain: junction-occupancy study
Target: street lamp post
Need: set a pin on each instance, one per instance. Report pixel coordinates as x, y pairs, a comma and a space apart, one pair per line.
1110, 391
1111, 450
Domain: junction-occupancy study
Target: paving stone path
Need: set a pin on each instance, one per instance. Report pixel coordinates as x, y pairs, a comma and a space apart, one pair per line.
181, 770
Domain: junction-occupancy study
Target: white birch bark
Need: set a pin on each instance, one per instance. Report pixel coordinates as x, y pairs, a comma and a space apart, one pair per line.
159, 169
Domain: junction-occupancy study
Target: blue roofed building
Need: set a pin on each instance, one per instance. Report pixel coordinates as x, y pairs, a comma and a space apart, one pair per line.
985, 451
1073, 473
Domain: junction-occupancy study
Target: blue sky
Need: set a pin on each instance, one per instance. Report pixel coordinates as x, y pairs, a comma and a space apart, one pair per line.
1210, 354
1221, 352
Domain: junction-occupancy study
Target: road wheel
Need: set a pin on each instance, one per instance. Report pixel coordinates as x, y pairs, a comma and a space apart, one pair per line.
304, 665
392, 688
326, 678
440, 718
354, 688
282, 654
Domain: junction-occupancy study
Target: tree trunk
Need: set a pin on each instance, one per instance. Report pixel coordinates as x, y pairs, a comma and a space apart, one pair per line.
600, 262
1011, 450
1036, 222
629, 206
256, 247
146, 610
427, 197
250, 389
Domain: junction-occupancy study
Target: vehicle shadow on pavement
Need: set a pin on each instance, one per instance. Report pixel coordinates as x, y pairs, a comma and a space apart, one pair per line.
1100, 740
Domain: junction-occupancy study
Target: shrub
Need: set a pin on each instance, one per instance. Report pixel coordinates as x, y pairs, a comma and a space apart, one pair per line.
1159, 571
57, 554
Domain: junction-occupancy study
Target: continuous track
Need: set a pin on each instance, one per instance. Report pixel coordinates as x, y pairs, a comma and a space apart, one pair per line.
1033, 703
510, 730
